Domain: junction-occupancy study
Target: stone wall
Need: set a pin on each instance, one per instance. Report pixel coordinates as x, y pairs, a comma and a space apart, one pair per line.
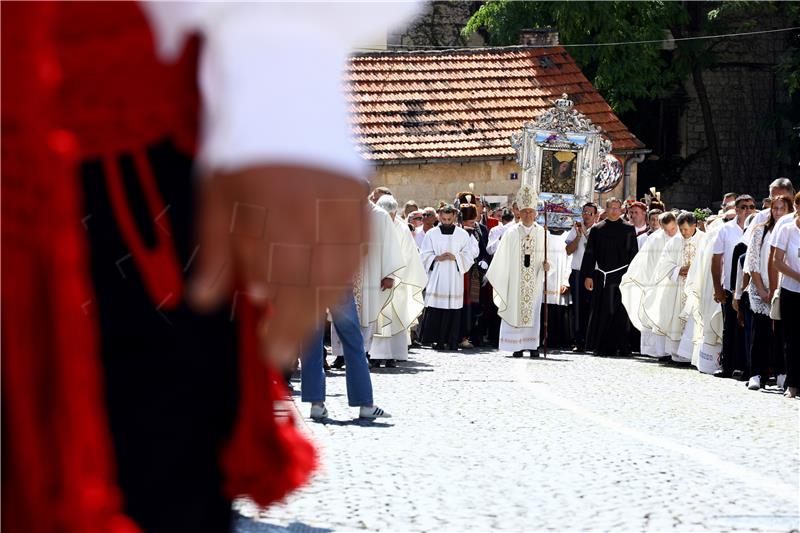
745, 90
429, 183
438, 25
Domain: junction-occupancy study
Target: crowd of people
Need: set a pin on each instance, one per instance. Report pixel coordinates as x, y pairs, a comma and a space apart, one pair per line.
694, 288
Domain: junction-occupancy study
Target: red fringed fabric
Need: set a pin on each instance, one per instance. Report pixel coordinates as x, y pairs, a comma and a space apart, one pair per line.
80, 80
57, 460
268, 457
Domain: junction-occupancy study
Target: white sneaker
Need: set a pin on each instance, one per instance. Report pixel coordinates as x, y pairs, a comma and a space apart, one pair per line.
754, 383
318, 412
781, 381
373, 412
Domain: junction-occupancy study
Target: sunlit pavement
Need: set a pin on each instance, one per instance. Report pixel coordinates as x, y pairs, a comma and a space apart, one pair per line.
480, 441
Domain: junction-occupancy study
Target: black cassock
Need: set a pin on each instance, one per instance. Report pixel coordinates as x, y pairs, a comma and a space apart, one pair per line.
609, 251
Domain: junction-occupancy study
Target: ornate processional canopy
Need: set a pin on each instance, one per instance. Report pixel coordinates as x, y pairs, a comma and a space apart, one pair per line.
565, 158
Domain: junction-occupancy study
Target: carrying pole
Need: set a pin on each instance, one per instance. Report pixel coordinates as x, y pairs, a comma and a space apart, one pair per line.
544, 334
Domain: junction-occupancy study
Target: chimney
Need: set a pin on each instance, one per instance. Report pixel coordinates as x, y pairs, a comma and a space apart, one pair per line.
538, 37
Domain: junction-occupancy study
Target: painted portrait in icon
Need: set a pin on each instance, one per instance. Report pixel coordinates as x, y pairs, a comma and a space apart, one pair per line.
559, 171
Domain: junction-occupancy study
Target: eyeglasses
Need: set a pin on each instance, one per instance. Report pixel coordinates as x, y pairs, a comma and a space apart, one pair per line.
748, 207
416, 219
426, 215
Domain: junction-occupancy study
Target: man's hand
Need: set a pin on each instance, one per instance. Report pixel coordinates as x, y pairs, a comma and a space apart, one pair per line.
546, 266
720, 296
289, 236
564, 289
589, 284
447, 256
387, 283
683, 271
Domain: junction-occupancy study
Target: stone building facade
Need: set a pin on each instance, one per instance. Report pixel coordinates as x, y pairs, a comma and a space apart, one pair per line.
750, 105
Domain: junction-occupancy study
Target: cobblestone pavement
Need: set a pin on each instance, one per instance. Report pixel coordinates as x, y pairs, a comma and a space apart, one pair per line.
481, 441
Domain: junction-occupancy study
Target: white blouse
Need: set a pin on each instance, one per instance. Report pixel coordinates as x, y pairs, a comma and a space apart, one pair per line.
757, 260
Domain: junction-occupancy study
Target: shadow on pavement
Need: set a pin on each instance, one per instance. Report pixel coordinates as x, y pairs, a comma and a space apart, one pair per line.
352, 422
242, 524
540, 358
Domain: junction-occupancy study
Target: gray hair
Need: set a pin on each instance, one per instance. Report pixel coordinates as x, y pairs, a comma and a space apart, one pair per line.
387, 203
782, 183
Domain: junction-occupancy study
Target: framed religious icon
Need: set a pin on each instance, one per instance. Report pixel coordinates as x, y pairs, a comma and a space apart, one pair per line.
559, 171
562, 154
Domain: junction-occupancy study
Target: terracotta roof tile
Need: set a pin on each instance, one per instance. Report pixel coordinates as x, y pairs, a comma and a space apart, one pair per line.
464, 103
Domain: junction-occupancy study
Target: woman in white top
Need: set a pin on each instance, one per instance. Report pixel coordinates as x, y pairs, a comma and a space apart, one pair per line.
762, 354
787, 261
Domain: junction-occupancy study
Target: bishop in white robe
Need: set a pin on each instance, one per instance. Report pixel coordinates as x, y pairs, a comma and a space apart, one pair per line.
517, 276
447, 253
391, 339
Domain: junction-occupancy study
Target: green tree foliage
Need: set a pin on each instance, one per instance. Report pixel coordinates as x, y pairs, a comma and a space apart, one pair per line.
621, 73
624, 73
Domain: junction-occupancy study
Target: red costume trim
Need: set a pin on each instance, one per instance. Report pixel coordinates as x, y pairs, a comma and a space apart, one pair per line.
58, 467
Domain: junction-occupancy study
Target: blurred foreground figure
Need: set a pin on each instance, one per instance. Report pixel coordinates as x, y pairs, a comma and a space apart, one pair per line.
125, 407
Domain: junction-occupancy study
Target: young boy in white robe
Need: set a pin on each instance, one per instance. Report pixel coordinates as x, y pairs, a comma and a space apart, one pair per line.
447, 253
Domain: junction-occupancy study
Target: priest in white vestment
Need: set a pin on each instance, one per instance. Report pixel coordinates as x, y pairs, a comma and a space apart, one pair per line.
700, 302
391, 338
373, 283
447, 253
638, 285
517, 276
668, 308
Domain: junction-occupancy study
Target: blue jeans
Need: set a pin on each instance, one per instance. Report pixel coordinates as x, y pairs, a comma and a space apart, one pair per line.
312, 375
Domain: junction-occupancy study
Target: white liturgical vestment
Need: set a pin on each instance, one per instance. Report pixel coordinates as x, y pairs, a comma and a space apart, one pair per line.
384, 259
445, 287
517, 277
560, 270
700, 303
637, 287
391, 336
668, 307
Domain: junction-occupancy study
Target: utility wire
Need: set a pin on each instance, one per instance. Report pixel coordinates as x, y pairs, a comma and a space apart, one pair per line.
621, 43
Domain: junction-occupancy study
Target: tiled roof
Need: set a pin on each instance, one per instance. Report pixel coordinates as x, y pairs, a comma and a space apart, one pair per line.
464, 103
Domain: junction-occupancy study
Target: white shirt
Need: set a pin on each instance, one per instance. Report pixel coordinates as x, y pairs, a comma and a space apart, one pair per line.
495, 234
727, 238
419, 236
788, 240
641, 235
577, 255
760, 217
788, 218
270, 75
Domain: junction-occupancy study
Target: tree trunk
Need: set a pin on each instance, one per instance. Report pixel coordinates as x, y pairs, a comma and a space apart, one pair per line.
711, 134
